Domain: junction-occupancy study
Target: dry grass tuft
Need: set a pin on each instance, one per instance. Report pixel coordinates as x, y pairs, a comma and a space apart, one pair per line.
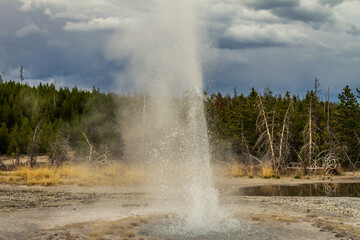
237, 170
40, 176
267, 171
83, 175
263, 170
240, 170
115, 174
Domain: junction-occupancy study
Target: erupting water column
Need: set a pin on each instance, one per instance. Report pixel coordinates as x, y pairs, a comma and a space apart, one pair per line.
166, 59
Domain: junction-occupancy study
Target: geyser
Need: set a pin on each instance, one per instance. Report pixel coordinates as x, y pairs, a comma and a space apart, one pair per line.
166, 58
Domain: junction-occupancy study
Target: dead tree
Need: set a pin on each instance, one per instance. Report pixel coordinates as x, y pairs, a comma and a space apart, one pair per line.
246, 152
310, 145
316, 94
103, 159
327, 161
33, 147
328, 113
91, 148
310, 134
59, 150
343, 150
282, 142
261, 123
94, 156
244, 144
357, 137
277, 144
21, 73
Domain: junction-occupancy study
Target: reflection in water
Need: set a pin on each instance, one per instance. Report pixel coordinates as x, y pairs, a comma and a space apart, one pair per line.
305, 190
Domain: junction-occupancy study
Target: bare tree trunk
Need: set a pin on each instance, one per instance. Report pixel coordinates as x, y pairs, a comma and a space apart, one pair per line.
91, 147
103, 159
328, 114
342, 149
267, 131
59, 150
283, 131
273, 125
34, 146
310, 134
144, 117
94, 156
317, 91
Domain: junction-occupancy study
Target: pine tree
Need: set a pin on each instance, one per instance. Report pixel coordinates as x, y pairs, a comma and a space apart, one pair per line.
4, 138
13, 148
24, 135
21, 73
347, 124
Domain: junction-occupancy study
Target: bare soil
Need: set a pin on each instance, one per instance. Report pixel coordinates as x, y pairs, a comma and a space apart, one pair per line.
73, 212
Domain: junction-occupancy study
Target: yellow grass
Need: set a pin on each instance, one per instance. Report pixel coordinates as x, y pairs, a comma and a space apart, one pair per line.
85, 175
237, 170
251, 171
267, 171
240, 170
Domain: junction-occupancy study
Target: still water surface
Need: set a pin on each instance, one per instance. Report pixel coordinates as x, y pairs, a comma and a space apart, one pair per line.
305, 190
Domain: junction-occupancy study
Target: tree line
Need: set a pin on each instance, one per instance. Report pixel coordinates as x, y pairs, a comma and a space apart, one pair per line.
255, 128
286, 131
46, 120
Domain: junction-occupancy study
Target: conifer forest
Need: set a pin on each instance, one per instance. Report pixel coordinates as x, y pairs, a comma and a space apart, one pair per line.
284, 130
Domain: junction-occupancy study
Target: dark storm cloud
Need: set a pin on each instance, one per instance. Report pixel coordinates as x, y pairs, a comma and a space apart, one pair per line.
293, 9
281, 73
39, 43
283, 44
271, 4
301, 14
231, 43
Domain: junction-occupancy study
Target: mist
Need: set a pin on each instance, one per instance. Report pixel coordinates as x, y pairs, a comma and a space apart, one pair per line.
169, 132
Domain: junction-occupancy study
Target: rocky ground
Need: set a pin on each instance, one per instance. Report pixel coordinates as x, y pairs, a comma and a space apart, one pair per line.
23, 197
72, 212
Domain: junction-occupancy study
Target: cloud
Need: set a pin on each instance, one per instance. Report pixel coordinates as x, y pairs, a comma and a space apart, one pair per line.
298, 10
32, 28
87, 9
231, 12
97, 24
331, 3
276, 43
271, 4
305, 14
26, 5
257, 35
347, 17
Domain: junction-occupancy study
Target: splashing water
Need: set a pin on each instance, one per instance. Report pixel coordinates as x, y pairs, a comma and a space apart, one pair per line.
167, 61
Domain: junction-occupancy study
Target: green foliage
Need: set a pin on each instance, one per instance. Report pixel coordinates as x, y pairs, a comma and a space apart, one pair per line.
232, 126
4, 138
232, 122
348, 125
13, 147
67, 111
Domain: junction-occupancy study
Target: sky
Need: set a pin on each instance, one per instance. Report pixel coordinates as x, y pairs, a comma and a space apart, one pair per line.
278, 44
